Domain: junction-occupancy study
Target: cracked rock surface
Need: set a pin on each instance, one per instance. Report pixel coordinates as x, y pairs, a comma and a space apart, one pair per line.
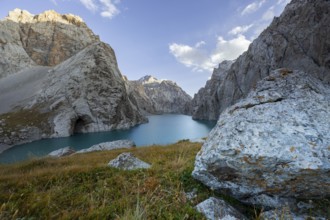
272, 145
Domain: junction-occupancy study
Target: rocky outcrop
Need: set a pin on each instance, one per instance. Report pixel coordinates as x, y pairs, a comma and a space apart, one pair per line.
298, 39
66, 151
112, 145
214, 209
159, 96
273, 146
127, 161
206, 104
83, 92
46, 39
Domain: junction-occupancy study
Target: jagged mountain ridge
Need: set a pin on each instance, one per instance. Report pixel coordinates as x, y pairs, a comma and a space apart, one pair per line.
160, 96
298, 39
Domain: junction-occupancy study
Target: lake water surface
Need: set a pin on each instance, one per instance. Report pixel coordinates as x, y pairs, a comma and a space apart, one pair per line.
161, 130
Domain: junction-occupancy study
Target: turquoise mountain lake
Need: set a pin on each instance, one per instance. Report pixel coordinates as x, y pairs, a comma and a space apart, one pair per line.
161, 130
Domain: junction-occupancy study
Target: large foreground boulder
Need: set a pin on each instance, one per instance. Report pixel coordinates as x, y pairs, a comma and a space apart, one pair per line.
272, 145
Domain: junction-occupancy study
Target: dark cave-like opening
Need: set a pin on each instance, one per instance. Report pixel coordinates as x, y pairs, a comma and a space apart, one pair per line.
79, 125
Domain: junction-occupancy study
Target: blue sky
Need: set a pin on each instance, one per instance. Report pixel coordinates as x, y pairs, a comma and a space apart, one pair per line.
180, 40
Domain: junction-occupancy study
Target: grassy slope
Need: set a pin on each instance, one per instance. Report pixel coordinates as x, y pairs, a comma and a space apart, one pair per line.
83, 187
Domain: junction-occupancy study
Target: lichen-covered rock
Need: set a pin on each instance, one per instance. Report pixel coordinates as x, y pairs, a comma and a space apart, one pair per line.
298, 39
109, 146
160, 96
272, 145
127, 161
66, 151
216, 209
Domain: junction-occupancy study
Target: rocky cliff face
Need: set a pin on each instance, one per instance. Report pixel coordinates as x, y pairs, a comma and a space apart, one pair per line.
298, 39
160, 96
205, 104
79, 88
46, 39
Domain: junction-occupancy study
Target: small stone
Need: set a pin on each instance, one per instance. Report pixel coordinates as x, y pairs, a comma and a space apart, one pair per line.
214, 209
66, 151
127, 161
192, 194
119, 144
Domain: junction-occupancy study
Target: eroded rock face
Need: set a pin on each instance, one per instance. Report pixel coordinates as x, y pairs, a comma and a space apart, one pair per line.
83, 92
87, 93
298, 39
160, 96
272, 145
46, 39
205, 104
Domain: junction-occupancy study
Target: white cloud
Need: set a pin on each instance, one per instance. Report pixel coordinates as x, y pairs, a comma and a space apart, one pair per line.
109, 9
200, 44
191, 57
252, 7
283, 2
54, 2
269, 14
240, 29
199, 60
231, 49
90, 5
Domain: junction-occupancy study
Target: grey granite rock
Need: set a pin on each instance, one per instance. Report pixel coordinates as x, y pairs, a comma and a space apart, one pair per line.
109, 146
217, 209
274, 142
160, 96
66, 151
127, 161
298, 39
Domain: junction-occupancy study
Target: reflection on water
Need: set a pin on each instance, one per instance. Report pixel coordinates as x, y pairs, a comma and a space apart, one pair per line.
161, 130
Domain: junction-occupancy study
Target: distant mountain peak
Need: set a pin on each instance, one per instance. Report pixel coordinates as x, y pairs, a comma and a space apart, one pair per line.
23, 16
148, 79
